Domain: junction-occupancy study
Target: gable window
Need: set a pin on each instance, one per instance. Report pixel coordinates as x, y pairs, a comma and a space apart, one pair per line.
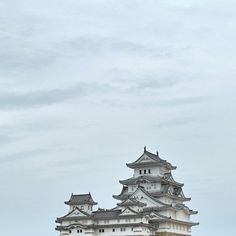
140, 172
69, 231
79, 231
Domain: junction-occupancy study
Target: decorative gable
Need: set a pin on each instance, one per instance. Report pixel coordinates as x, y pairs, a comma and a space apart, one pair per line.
144, 197
154, 216
77, 212
128, 211
144, 158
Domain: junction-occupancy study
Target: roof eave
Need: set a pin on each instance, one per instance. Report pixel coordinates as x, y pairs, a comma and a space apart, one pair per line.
193, 212
58, 220
77, 203
117, 197
134, 165
130, 165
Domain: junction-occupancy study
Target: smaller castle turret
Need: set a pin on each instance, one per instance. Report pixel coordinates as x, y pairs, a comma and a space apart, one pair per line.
83, 202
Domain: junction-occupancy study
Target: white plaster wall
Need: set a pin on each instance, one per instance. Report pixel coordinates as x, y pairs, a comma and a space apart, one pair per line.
174, 228
109, 231
166, 200
155, 171
181, 215
150, 187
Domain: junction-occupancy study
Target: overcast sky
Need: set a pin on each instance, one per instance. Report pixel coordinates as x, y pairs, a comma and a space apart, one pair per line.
85, 85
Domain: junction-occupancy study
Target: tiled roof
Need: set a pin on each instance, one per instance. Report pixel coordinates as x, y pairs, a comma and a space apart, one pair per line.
152, 179
102, 213
131, 202
156, 161
80, 199
123, 193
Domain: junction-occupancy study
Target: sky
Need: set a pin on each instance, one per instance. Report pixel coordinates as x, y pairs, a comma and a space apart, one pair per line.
85, 85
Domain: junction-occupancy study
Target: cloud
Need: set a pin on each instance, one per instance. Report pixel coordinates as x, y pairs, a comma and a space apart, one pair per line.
175, 122
5, 139
15, 100
179, 101
70, 163
98, 45
25, 155
30, 99
21, 46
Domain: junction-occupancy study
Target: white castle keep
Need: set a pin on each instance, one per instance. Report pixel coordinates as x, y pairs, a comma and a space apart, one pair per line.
150, 203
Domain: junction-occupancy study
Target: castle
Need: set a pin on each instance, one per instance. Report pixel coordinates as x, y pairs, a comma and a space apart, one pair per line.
151, 203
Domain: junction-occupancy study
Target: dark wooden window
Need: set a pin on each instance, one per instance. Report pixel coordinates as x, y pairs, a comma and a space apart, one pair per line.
145, 171
140, 172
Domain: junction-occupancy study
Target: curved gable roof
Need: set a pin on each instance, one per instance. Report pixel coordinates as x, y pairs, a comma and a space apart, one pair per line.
80, 199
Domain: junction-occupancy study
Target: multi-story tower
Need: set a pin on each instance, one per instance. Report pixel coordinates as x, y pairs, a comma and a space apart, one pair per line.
151, 203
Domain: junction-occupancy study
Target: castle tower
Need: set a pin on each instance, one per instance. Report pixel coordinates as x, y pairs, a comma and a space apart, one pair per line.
83, 202
153, 189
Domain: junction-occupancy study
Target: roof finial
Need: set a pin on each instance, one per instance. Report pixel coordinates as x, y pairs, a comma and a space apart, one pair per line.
145, 149
157, 153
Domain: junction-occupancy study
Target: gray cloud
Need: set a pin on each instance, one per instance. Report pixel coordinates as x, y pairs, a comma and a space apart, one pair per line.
102, 45
21, 49
161, 102
29, 99
26, 155
179, 101
5, 139
38, 98
176, 122
70, 163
